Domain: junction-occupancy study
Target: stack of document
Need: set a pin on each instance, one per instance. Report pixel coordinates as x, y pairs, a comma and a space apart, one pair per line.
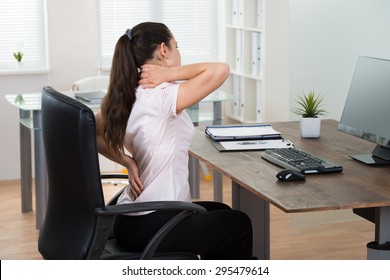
246, 137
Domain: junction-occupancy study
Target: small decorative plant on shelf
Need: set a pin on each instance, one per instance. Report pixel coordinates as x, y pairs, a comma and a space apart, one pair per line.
18, 56
310, 107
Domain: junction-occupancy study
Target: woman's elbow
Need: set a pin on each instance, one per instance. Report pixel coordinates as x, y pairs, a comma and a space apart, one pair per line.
225, 70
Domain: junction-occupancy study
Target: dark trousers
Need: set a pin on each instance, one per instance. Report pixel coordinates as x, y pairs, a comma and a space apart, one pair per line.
222, 233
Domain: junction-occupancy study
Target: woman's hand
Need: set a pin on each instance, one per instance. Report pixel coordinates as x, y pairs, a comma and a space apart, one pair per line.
153, 75
135, 183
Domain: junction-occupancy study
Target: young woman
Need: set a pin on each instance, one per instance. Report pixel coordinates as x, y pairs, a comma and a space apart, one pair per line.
142, 114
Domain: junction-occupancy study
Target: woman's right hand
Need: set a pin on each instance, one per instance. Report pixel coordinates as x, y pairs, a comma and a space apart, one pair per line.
135, 184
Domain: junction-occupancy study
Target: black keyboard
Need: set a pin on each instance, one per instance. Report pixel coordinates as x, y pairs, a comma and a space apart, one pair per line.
293, 158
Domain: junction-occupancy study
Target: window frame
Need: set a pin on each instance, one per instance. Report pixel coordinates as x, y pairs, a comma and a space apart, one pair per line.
24, 24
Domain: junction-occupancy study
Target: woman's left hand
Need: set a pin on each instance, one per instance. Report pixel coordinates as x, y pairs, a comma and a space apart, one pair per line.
136, 186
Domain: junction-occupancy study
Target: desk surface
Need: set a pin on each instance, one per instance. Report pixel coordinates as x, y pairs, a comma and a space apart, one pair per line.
358, 186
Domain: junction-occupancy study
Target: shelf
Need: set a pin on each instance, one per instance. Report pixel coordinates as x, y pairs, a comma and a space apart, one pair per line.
253, 29
249, 76
245, 55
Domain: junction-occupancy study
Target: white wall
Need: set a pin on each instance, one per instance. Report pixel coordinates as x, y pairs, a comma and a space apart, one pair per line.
276, 60
326, 38
73, 41
73, 45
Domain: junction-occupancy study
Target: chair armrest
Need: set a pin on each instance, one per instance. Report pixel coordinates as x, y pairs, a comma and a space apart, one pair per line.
151, 248
127, 208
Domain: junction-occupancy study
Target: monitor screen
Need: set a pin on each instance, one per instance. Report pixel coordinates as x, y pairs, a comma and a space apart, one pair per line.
366, 112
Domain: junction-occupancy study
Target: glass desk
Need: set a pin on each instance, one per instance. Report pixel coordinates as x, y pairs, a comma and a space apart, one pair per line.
30, 114
197, 116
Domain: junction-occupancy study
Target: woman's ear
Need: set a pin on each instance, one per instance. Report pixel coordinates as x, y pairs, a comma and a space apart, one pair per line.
163, 50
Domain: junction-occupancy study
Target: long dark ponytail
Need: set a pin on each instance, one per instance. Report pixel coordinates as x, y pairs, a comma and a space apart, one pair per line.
132, 50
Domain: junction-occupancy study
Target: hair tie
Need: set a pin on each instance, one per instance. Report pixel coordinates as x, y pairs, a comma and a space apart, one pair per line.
128, 33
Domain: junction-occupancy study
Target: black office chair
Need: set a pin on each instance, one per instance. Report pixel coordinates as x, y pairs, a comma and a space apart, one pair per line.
78, 224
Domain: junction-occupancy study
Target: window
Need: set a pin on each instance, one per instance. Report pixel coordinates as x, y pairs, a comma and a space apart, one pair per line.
22, 29
193, 22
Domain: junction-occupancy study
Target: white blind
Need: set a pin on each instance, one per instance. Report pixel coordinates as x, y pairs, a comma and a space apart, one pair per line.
193, 23
22, 28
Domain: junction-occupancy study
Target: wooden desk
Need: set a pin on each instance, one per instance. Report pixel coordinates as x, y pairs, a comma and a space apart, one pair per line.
255, 185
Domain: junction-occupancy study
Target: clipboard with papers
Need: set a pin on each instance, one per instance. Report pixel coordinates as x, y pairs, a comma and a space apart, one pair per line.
242, 132
246, 137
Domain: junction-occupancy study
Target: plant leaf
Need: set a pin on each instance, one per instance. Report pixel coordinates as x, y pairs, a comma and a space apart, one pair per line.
309, 105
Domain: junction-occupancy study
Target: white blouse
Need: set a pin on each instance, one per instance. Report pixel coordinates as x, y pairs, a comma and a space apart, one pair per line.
159, 140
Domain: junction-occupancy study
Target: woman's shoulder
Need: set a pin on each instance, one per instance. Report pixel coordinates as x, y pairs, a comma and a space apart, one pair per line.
171, 85
160, 87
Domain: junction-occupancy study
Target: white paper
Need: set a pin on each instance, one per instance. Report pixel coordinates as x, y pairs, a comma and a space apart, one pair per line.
242, 131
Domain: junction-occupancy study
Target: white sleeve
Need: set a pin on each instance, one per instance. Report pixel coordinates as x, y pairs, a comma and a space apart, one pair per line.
168, 99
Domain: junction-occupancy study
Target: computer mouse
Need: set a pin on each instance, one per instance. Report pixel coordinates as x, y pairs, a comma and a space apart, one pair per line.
290, 175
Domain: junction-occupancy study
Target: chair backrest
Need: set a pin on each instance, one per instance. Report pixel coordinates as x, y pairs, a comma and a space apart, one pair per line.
75, 189
91, 83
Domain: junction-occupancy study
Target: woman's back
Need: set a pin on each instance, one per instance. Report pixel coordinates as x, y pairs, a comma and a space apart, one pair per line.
159, 139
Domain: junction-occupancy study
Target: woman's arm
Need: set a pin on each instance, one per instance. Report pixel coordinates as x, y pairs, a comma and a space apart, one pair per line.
123, 159
200, 80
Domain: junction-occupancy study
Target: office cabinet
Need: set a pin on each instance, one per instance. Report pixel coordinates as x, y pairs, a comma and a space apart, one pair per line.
245, 55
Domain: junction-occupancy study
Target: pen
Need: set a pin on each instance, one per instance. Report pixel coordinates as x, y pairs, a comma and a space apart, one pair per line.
251, 142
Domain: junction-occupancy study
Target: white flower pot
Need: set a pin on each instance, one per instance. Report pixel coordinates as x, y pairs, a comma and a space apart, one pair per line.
20, 65
310, 127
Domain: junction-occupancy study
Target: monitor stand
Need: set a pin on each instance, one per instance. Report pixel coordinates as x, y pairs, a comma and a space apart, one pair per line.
380, 155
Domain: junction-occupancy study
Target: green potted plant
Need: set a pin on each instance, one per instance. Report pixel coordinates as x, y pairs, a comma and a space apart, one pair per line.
18, 56
310, 107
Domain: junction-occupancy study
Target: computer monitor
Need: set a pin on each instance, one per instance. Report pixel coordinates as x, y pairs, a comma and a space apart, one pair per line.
366, 112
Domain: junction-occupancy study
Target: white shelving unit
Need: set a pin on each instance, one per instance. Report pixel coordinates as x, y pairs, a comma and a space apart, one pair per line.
245, 54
